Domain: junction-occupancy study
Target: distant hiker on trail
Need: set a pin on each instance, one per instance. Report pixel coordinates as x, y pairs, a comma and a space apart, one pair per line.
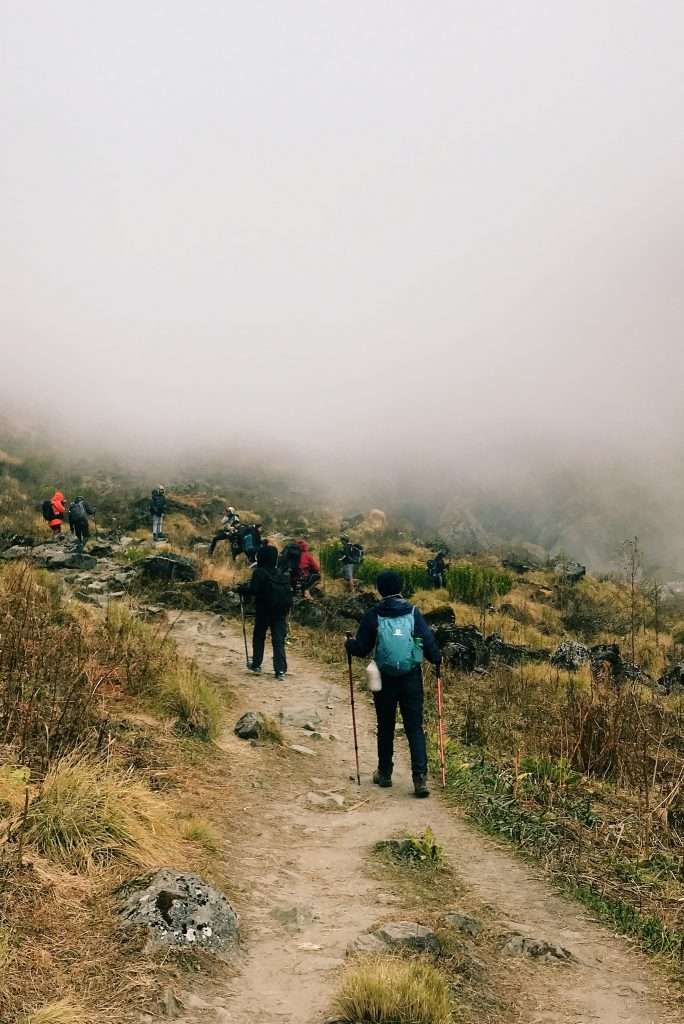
229, 524
399, 635
53, 512
308, 570
273, 598
352, 555
437, 569
158, 511
79, 510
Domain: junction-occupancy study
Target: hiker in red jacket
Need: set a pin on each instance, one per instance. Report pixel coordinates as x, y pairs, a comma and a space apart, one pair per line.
58, 512
308, 571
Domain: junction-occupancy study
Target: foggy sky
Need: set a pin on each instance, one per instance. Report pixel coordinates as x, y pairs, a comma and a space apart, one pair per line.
376, 232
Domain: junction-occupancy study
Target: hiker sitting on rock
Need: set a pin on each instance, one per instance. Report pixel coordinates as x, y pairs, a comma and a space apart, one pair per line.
53, 512
229, 524
79, 510
308, 570
272, 593
157, 511
400, 636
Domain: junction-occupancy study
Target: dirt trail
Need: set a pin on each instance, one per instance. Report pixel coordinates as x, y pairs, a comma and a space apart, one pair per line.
295, 855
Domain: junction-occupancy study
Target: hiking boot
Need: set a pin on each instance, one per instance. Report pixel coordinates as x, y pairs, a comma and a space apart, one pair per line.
420, 786
256, 669
380, 779
280, 676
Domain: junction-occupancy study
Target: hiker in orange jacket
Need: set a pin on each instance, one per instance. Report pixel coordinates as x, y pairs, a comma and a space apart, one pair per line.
58, 511
308, 571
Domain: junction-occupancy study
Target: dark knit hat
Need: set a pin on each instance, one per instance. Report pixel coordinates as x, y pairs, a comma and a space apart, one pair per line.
388, 583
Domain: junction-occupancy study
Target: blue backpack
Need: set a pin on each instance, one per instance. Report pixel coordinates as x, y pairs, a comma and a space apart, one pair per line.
397, 650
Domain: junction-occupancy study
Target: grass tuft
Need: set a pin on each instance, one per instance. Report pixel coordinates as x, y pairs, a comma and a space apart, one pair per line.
423, 850
87, 814
389, 991
195, 703
197, 830
61, 1012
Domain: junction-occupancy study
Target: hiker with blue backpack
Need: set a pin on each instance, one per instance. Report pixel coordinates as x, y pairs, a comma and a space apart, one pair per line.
400, 637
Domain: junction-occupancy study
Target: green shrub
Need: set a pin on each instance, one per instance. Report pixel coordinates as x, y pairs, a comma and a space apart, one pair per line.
475, 584
413, 577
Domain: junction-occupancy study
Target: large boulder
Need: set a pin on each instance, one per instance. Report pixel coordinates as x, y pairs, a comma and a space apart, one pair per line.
570, 655
180, 909
168, 568
51, 556
463, 647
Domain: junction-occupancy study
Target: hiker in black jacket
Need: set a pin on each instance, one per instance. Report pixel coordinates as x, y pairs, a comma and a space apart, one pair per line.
405, 690
79, 510
273, 599
157, 511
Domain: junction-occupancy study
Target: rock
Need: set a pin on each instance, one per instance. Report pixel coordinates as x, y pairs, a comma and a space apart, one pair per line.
441, 616
101, 549
462, 646
294, 917
512, 654
250, 725
300, 717
366, 943
376, 520
522, 945
308, 613
570, 655
408, 935
168, 567
180, 909
464, 923
672, 680
310, 727
302, 750
356, 607
571, 572
52, 557
608, 655
517, 566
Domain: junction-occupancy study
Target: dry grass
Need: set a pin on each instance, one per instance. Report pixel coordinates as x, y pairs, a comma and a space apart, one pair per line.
392, 991
194, 702
64, 1011
198, 830
87, 814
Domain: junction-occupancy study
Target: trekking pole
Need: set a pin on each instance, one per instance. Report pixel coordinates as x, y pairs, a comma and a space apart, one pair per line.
440, 722
244, 628
353, 711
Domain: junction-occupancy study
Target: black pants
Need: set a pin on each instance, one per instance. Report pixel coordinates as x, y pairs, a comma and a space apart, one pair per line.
406, 692
278, 626
221, 535
81, 530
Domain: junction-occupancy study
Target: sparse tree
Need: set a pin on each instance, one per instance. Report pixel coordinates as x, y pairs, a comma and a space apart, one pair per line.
632, 561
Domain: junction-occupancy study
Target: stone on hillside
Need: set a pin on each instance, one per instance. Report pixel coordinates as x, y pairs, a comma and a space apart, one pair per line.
101, 549
523, 945
302, 750
672, 680
462, 646
512, 654
571, 572
570, 655
464, 923
205, 591
249, 726
441, 616
408, 935
52, 556
308, 613
168, 567
366, 943
180, 909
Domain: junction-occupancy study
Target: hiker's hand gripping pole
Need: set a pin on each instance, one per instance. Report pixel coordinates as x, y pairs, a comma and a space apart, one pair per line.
353, 711
440, 723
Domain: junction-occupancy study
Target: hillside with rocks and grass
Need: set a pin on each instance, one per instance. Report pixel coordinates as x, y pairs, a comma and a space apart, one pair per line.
179, 840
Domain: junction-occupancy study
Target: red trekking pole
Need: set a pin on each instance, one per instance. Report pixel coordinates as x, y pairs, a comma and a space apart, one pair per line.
440, 722
353, 711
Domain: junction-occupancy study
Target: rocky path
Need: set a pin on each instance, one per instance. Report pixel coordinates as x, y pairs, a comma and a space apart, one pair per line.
308, 892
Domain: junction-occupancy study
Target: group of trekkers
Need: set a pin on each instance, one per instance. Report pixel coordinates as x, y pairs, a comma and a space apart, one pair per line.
394, 631
78, 514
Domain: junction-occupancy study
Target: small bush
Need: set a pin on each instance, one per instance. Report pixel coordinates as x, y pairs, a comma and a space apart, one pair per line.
388, 991
419, 850
87, 814
475, 584
196, 704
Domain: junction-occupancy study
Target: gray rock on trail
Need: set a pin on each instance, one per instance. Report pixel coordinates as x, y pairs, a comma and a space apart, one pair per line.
302, 750
51, 556
540, 949
294, 918
249, 726
167, 568
366, 943
180, 909
408, 935
464, 923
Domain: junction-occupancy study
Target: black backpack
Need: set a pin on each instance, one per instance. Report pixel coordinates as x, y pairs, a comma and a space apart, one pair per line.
355, 553
47, 510
289, 558
432, 568
279, 596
